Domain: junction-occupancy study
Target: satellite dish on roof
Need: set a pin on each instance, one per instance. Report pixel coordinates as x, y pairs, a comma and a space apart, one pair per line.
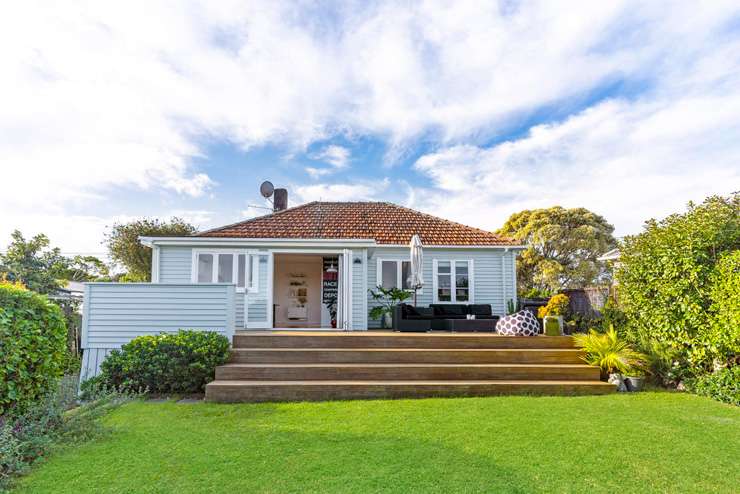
266, 189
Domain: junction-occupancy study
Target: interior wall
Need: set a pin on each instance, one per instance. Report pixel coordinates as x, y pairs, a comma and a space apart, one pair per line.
289, 268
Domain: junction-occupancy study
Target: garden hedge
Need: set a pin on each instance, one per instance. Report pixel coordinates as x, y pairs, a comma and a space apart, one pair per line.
183, 362
676, 292
32, 346
725, 309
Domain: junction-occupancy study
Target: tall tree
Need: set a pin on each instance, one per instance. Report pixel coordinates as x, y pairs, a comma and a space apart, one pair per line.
562, 247
86, 268
33, 263
124, 246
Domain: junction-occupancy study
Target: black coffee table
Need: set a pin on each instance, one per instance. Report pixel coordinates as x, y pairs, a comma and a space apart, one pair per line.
462, 325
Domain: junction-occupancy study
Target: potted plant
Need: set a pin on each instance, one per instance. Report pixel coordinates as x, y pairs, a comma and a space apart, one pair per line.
634, 379
552, 314
387, 299
614, 356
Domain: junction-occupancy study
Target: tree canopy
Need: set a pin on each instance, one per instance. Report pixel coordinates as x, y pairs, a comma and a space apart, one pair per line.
86, 268
124, 247
562, 247
43, 269
33, 263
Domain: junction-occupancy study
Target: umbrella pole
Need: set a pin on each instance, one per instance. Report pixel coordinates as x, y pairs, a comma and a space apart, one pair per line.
414, 297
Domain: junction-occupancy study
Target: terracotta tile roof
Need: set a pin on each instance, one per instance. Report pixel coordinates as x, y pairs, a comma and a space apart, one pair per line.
383, 222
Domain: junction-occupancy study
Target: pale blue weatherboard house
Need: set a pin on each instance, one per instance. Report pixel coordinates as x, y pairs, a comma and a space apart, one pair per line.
282, 270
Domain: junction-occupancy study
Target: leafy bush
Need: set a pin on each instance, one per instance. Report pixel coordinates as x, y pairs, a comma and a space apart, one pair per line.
167, 363
536, 293
556, 306
610, 353
725, 309
666, 282
722, 385
612, 316
29, 436
32, 346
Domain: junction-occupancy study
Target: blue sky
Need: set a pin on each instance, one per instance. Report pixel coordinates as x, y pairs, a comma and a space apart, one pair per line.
468, 110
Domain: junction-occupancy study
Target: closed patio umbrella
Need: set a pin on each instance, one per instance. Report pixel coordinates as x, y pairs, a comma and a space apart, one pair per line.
416, 279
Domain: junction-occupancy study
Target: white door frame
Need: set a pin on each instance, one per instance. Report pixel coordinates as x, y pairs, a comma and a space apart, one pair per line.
267, 324
344, 290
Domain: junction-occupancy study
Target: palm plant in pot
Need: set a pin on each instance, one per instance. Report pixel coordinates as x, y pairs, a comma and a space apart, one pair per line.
387, 299
614, 356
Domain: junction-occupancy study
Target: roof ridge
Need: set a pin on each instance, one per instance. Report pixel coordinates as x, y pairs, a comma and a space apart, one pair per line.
439, 218
249, 220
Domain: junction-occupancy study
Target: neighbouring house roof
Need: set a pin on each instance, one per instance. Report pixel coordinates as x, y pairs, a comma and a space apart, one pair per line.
612, 255
383, 222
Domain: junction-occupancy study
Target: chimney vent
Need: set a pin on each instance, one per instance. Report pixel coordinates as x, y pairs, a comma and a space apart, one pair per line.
280, 200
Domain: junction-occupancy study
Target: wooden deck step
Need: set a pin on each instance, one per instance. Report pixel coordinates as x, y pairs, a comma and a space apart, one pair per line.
406, 372
387, 339
256, 391
407, 355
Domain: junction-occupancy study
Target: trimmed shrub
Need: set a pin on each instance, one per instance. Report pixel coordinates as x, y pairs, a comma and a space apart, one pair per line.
723, 385
167, 363
33, 346
666, 281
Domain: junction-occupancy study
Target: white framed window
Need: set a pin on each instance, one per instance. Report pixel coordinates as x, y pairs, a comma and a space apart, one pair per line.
219, 266
394, 273
453, 281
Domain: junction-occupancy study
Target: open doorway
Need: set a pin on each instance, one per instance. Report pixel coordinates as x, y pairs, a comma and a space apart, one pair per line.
305, 291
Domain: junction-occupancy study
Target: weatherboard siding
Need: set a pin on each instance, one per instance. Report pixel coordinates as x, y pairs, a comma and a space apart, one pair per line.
115, 313
493, 274
175, 264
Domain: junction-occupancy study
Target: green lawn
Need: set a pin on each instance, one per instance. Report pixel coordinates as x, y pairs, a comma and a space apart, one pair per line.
648, 442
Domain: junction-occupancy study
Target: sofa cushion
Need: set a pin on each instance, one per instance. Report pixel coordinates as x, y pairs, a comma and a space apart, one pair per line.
522, 323
408, 310
416, 313
450, 310
480, 310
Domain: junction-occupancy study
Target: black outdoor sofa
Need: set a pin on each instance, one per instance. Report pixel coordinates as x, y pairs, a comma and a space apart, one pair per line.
443, 317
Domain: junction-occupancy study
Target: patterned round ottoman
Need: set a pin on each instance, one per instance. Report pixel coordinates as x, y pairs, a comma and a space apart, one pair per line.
522, 323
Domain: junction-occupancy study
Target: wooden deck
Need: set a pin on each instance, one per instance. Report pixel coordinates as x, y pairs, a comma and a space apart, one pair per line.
310, 365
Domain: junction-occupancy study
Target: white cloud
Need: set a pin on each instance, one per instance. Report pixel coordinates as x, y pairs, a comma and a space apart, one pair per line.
196, 217
361, 191
103, 95
318, 172
336, 156
628, 161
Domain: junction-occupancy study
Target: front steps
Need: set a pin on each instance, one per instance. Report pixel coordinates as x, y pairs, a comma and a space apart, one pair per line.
306, 366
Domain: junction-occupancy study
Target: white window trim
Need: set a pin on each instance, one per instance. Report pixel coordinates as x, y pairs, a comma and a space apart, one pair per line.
253, 288
453, 294
399, 272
